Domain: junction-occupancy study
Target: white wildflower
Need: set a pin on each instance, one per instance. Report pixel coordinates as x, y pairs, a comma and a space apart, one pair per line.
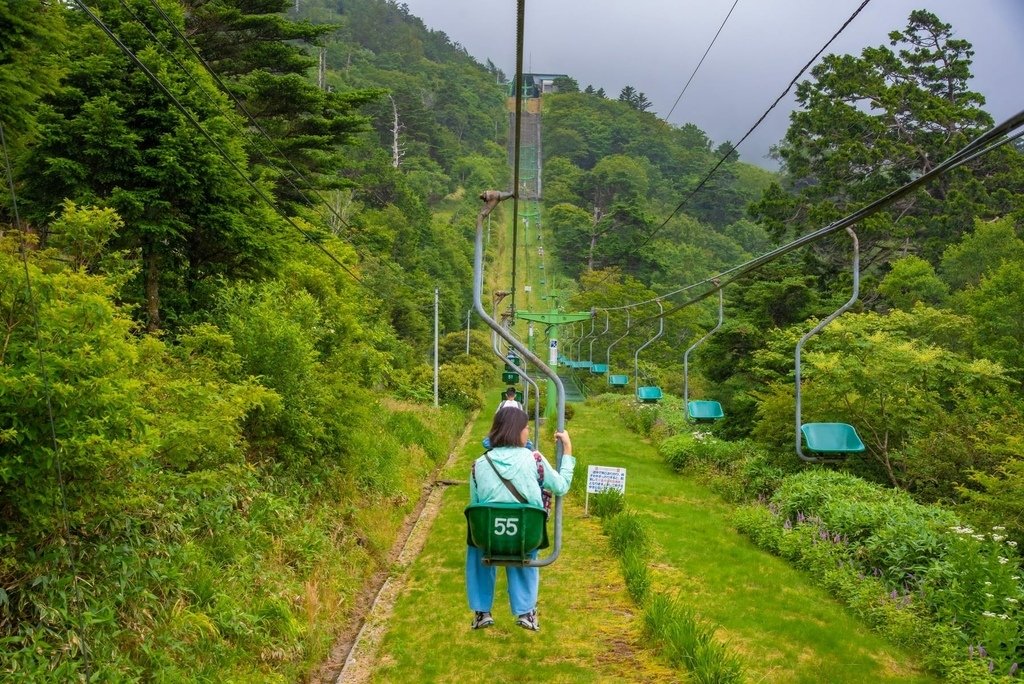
1003, 561
988, 613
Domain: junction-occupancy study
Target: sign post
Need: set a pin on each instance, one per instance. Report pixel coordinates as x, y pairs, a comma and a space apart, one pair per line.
602, 478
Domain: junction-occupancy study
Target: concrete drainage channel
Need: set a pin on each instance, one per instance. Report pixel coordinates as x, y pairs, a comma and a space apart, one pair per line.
361, 653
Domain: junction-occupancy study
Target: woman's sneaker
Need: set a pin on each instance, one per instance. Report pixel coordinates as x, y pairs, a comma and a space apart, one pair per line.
481, 619
529, 621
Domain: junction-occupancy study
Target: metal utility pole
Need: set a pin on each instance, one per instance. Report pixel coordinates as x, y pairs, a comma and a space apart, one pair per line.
435, 347
468, 314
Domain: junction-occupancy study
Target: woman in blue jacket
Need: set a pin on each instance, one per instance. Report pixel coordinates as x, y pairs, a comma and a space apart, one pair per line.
530, 474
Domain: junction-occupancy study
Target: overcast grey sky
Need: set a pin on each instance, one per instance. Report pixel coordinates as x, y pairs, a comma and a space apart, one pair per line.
654, 46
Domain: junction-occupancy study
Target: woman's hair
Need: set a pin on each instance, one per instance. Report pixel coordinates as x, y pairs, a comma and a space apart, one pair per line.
510, 392
507, 428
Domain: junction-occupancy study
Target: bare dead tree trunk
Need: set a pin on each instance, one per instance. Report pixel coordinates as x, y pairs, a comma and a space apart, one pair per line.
593, 238
396, 149
321, 74
152, 291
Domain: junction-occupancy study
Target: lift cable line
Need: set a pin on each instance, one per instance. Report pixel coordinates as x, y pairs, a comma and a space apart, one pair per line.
352, 232
44, 376
520, 30
980, 146
195, 123
734, 147
697, 68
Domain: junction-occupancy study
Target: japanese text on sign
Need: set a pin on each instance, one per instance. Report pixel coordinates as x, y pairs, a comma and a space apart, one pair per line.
600, 478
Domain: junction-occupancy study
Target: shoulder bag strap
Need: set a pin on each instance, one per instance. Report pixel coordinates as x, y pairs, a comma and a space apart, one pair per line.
511, 487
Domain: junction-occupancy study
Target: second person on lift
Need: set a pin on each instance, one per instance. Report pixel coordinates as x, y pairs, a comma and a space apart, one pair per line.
509, 400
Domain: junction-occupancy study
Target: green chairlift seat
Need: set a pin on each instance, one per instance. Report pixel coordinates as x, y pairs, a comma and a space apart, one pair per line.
705, 410
508, 377
584, 365
507, 533
519, 396
618, 380
826, 438
599, 368
648, 394
832, 438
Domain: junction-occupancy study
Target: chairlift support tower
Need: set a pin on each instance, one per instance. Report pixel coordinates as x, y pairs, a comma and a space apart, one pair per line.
553, 319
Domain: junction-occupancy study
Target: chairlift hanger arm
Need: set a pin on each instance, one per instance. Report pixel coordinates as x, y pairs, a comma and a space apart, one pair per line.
686, 356
813, 331
491, 199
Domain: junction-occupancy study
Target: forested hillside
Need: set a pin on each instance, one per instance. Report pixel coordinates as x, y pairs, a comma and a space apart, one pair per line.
218, 267
223, 225
929, 363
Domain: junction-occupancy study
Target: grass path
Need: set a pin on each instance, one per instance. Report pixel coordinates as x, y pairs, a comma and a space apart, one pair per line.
782, 628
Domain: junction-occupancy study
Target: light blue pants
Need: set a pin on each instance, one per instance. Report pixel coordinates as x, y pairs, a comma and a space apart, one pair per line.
523, 584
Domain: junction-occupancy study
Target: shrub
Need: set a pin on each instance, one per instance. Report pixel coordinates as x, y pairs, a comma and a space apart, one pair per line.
689, 643
626, 530
638, 578
606, 503
910, 570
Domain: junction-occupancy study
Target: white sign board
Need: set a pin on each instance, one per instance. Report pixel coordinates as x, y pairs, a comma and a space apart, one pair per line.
553, 353
600, 478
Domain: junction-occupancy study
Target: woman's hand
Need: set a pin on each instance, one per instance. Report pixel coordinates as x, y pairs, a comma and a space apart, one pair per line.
563, 437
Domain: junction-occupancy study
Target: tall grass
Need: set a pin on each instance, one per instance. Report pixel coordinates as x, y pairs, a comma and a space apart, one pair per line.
688, 642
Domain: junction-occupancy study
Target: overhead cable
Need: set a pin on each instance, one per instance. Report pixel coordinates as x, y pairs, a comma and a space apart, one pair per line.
732, 147
697, 68
988, 141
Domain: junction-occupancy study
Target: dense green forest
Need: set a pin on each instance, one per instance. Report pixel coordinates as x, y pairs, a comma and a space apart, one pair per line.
218, 270
929, 363
224, 310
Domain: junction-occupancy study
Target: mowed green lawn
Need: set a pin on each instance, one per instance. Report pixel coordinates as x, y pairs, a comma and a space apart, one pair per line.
782, 628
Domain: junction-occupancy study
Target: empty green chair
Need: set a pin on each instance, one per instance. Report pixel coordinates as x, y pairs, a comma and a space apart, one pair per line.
705, 410
832, 438
599, 368
618, 380
508, 377
698, 409
828, 439
648, 394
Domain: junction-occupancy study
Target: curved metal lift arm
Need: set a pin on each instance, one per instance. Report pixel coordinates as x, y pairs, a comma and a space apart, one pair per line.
636, 356
799, 346
491, 199
496, 348
686, 356
608, 351
607, 322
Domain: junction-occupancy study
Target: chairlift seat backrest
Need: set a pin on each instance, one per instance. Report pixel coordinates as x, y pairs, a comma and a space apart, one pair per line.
599, 368
648, 394
832, 438
705, 410
507, 533
618, 380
